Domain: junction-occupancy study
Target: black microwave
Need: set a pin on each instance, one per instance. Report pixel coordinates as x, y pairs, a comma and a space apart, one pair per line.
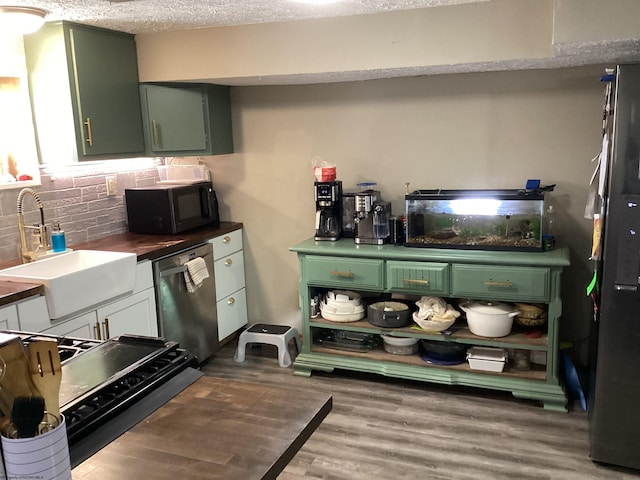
167, 209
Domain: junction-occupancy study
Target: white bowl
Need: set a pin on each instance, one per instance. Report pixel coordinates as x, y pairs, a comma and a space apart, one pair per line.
328, 313
343, 296
433, 325
401, 341
400, 345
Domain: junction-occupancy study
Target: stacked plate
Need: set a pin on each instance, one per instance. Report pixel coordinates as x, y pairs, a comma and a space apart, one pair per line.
342, 306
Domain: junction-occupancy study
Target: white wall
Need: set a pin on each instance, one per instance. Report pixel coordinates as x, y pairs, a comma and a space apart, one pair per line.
481, 130
472, 37
362, 46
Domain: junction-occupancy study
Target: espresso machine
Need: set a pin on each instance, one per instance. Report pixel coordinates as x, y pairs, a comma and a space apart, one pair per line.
348, 206
372, 217
328, 210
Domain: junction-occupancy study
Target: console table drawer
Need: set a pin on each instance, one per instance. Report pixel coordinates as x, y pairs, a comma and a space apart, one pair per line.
422, 278
500, 283
345, 272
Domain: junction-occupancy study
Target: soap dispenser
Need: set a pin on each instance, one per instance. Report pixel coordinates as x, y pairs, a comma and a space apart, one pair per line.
58, 241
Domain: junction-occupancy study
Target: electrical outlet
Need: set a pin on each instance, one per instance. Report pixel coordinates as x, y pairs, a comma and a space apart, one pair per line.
112, 186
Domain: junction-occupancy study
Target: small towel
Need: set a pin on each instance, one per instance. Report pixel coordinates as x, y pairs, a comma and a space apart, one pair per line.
435, 309
195, 273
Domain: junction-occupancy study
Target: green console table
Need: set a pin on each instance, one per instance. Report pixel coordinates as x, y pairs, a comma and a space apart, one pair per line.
532, 277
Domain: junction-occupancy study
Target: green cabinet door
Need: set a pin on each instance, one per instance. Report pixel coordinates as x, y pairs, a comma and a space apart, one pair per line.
186, 119
175, 118
105, 71
83, 84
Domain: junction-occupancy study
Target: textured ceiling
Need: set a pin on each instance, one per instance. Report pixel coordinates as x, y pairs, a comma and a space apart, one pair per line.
138, 16
148, 16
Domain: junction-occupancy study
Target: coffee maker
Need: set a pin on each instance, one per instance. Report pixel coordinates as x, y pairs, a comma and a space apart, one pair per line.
328, 212
371, 217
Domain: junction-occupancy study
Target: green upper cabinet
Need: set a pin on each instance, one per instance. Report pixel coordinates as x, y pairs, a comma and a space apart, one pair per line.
186, 119
83, 83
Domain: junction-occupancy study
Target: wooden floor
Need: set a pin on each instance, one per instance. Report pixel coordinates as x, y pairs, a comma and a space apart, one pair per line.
382, 428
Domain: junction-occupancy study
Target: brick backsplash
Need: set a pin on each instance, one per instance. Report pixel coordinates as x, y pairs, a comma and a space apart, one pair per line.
78, 199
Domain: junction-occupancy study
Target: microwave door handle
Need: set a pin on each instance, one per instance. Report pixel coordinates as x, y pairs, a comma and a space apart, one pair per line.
205, 201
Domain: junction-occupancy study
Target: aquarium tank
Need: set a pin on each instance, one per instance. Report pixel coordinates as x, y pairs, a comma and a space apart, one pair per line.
475, 219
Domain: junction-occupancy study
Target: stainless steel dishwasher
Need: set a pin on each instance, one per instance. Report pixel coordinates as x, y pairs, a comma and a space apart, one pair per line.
188, 318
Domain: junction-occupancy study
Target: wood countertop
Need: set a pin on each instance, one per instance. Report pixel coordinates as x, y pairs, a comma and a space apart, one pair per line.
13, 291
146, 247
214, 429
151, 247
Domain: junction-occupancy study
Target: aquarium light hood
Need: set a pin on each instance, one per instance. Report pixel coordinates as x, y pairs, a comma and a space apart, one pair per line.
475, 206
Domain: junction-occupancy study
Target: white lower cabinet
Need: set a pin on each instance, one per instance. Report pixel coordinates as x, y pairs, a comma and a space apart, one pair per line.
232, 313
134, 314
231, 299
26, 314
82, 326
9, 318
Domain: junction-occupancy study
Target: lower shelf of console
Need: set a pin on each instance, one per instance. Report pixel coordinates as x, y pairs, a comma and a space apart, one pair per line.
537, 372
532, 384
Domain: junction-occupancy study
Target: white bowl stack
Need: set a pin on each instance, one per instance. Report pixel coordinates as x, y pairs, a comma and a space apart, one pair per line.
342, 306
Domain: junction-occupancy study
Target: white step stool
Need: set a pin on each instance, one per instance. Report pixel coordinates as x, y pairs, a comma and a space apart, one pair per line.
278, 335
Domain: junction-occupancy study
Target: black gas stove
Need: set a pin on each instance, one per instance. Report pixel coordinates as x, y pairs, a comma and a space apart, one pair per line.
108, 386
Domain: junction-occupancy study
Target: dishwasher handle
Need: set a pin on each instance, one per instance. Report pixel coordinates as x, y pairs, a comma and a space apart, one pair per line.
172, 271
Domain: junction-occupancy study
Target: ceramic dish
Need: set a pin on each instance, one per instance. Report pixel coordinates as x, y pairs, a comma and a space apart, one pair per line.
355, 314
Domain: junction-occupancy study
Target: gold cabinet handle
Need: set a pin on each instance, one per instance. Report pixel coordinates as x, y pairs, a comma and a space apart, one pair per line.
96, 331
490, 283
106, 329
87, 122
228, 262
226, 239
154, 127
337, 273
418, 282
231, 301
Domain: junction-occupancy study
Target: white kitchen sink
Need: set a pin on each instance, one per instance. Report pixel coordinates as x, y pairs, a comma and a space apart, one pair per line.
74, 281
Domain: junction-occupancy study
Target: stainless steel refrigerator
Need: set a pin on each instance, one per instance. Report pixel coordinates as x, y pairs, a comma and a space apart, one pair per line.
614, 394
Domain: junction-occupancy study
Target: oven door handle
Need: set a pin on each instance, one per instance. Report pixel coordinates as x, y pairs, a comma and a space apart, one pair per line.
173, 271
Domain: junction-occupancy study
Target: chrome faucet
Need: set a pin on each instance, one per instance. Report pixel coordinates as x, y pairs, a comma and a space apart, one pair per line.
26, 254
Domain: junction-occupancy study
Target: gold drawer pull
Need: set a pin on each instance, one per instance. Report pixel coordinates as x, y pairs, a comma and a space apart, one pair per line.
498, 284
154, 127
231, 301
228, 262
419, 282
336, 273
107, 334
89, 140
226, 239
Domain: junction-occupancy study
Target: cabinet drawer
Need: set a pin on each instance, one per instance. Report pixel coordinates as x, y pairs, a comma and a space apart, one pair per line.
500, 283
418, 277
232, 313
83, 326
345, 272
227, 244
33, 315
229, 274
9, 318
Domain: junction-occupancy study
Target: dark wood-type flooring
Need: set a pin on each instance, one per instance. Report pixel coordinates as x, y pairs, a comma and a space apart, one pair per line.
382, 428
